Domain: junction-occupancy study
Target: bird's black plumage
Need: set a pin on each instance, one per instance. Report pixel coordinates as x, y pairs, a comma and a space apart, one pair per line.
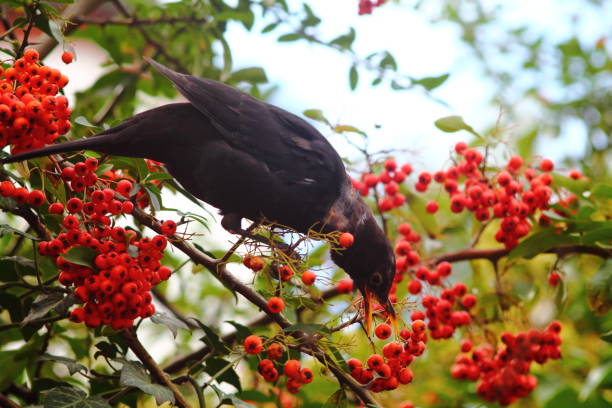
251, 160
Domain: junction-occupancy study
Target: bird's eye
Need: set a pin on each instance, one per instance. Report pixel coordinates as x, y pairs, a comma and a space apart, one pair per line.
376, 279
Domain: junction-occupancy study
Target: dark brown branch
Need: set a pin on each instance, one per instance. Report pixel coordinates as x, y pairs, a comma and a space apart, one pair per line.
496, 254
158, 374
133, 21
6, 402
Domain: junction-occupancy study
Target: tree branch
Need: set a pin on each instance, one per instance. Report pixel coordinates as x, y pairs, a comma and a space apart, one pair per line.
143, 355
496, 254
133, 21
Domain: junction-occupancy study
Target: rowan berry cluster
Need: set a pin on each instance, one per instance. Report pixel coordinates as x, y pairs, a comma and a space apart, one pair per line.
504, 375
141, 198
387, 372
366, 6
271, 368
115, 286
512, 195
32, 114
22, 195
391, 177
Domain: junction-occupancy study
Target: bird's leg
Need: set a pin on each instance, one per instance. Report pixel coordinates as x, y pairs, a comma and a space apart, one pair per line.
232, 224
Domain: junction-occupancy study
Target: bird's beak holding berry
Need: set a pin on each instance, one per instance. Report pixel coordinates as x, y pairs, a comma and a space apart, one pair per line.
368, 298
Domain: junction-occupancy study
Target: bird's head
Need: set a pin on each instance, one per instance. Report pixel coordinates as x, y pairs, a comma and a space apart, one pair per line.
371, 264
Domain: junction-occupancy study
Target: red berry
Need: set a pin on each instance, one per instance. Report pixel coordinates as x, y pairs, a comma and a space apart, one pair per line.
466, 345
432, 207
405, 376
575, 174
514, 163
292, 368
390, 165
375, 361
554, 278
345, 285
306, 375
546, 165
67, 57
274, 351
253, 344
77, 315
418, 326
417, 315
36, 198
256, 263
415, 287
468, 301
168, 227
285, 272
56, 208
346, 239
31, 55
308, 277
383, 331
460, 147
276, 304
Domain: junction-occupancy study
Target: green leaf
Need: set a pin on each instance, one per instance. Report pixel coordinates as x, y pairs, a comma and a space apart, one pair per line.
42, 305
566, 397
602, 191
345, 41
70, 363
353, 77
310, 328
599, 293
607, 337
254, 75
170, 322
541, 242
269, 28
68, 397
316, 114
337, 400
597, 376
254, 395
133, 375
230, 398
242, 332
214, 365
603, 235
575, 186
431, 83
451, 124
290, 37
81, 255
154, 195
4, 229
212, 339
82, 120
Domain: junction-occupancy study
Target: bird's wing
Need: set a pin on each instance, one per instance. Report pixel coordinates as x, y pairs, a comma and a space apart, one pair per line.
290, 147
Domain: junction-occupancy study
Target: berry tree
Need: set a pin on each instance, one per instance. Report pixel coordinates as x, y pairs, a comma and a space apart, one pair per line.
503, 275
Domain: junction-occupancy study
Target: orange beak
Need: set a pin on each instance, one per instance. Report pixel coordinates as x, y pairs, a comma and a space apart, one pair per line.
367, 308
391, 315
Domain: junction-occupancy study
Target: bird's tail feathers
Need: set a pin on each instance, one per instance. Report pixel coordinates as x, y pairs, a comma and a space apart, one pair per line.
91, 143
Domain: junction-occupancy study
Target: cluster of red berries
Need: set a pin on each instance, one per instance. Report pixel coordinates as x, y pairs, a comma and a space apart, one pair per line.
366, 6
32, 114
441, 314
391, 177
142, 197
271, 368
115, 288
22, 195
512, 195
504, 375
388, 371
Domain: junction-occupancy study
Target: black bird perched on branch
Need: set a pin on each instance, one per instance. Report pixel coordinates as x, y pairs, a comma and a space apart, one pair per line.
251, 160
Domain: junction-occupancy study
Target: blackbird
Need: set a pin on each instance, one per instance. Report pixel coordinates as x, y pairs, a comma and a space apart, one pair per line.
253, 160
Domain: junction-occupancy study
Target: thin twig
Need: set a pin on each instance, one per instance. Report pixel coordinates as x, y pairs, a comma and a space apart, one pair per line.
133, 21
143, 355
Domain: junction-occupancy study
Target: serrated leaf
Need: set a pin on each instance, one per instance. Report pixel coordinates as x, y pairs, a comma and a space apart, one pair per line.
230, 398
212, 339
68, 397
4, 229
170, 322
541, 242
42, 305
214, 365
451, 124
431, 83
337, 400
70, 363
133, 375
353, 77
81, 255
242, 332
